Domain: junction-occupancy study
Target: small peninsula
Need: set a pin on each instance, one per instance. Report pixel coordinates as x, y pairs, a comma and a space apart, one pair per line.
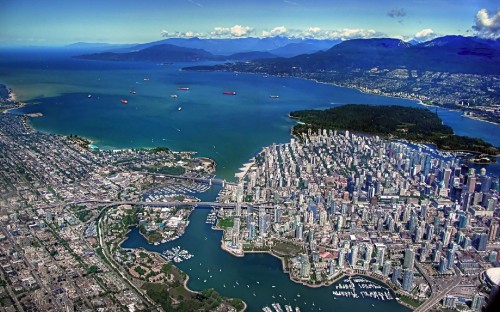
395, 122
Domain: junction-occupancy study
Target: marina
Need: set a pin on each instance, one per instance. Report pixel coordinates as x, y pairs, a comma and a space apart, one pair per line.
359, 287
176, 255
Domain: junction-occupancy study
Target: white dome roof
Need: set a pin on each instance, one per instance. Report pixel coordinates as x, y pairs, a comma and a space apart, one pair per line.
493, 275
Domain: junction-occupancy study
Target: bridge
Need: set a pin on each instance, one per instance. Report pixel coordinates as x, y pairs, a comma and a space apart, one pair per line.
195, 179
266, 205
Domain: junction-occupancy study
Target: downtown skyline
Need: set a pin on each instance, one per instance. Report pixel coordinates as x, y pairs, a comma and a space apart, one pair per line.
62, 22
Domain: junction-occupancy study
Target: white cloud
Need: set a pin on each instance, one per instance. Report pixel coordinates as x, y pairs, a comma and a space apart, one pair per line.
353, 33
276, 31
239, 31
177, 34
235, 31
425, 35
487, 26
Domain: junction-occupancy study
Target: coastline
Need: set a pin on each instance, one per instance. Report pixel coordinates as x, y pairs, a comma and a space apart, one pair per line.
186, 280
364, 91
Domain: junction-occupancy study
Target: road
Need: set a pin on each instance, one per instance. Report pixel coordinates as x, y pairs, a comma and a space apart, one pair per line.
438, 295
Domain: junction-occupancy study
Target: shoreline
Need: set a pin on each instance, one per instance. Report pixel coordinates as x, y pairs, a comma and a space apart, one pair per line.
328, 283
364, 91
186, 280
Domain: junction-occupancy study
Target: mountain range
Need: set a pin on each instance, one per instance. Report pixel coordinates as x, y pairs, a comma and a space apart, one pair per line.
453, 54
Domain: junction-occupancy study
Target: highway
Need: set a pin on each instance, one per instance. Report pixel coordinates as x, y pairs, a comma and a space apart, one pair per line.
435, 298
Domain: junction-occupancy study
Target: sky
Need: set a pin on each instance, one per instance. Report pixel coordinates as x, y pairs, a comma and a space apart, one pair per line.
59, 22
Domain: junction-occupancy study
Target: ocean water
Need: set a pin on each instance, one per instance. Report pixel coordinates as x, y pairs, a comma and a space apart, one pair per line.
229, 129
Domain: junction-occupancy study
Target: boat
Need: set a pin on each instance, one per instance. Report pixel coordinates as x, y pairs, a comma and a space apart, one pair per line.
179, 108
229, 93
274, 96
89, 96
183, 88
174, 96
146, 79
124, 101
132, 92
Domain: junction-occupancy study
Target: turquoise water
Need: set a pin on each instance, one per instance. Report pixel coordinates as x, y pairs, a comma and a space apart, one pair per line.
230, 129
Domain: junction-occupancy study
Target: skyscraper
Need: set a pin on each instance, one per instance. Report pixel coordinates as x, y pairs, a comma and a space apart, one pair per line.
407, 280
386, 270
409, 260
380, 254
354, 255
443, 265
493, 231
450, 258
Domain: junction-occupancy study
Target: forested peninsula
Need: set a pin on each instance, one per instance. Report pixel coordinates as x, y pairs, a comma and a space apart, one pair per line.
394, 122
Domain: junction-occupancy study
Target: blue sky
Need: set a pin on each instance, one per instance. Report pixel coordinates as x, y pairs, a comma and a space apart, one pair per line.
56, 22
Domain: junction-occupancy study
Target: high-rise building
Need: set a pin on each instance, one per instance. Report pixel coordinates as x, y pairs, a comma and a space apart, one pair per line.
450, 258
449, 301
481, 241
409, 260
477, 302
462, 221
493, 231
341, 258
354, 255
369, 251
443, 265
386, 270
380, 254
396, 275
305, 268
407, 280
262, 221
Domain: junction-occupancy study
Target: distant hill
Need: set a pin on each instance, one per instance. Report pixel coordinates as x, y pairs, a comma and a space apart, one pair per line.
249, 56
275, 45
305, 47
414, 124
156, 53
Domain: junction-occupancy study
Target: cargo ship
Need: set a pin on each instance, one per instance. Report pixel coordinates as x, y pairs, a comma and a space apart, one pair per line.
274, 96
229, 93
124, 101
183, 88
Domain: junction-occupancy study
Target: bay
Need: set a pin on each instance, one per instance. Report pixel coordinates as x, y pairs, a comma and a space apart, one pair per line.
229, 129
